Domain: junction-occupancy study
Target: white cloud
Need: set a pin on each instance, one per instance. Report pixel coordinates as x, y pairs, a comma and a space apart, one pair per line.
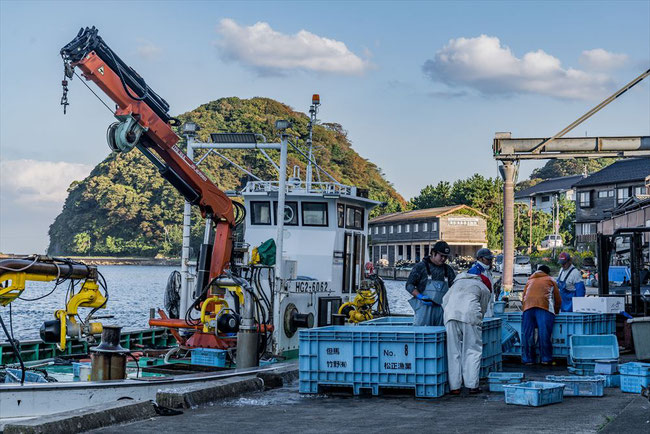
271, 52
31, 181
601, 59
148, 50
484, 64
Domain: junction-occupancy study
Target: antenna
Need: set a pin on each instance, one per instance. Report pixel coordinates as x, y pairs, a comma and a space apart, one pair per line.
313, 111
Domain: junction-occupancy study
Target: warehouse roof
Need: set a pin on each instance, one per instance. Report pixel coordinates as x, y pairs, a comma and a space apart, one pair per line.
423, 214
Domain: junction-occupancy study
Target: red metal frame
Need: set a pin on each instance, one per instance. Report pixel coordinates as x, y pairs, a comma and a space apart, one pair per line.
213, 201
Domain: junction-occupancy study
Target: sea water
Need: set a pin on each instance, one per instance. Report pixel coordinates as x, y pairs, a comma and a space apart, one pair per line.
133, 290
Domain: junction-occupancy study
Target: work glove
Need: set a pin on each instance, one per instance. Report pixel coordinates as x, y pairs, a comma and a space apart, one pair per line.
425, 300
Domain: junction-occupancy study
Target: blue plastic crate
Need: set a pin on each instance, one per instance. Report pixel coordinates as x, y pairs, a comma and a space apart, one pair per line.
499, 307
496, 380
209, 357
580, 385
566, 324
586, 371
606, 367
635, 368
634, 383
15, 375
485, 371
593, 347
509, 337
534, 393
612, 380
371, 357
491, 336
389, 320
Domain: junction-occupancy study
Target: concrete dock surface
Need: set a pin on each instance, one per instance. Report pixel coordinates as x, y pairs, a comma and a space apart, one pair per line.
285, 410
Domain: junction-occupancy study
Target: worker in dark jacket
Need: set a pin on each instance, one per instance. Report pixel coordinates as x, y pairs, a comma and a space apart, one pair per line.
428, 282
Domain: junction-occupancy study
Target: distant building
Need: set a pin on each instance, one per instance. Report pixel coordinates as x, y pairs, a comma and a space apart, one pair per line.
544, 194
410, 235
633, 213
598, 195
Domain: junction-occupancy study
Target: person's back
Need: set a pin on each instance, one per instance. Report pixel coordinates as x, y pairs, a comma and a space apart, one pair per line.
466, 300
541, 291
541, 302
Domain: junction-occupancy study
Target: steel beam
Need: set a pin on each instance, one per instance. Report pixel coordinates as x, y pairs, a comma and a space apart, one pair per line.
506, 148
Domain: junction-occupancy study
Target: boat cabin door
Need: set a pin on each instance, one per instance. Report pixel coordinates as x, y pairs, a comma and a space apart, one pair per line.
353, 261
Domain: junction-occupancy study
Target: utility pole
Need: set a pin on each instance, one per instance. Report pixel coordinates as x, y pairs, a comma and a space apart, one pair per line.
509, 172
530, 226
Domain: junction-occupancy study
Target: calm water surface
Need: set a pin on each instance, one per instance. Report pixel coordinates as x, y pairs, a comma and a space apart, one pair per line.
133, 290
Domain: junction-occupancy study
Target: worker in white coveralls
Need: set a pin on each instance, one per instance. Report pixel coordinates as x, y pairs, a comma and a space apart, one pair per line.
464, 306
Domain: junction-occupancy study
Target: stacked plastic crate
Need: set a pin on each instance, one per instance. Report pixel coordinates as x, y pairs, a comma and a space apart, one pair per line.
585, 350
491, 359
634, 376
566, 324
373, 358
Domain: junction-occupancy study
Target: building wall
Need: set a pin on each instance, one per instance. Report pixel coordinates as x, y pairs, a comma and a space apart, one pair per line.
538, 200
587, 218
464, 234
463, 228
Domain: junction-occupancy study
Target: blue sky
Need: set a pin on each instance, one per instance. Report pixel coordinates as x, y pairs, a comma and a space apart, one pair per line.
421, 86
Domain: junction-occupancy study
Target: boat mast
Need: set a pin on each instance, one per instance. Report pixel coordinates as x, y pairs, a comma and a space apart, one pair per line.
313, 111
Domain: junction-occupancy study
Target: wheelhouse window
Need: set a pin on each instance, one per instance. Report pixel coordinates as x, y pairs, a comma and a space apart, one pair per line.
314, 214
354, 218
340, 215
585, 199
261, 213
290, 213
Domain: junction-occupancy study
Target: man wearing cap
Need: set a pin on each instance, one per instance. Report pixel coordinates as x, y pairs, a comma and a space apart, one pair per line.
569, 281
482, 267
428, 282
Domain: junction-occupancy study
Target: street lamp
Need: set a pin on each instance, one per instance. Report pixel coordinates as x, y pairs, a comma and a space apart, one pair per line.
190, 128
282, 124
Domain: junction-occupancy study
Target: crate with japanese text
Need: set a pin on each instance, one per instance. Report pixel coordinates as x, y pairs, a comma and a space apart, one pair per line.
374, 358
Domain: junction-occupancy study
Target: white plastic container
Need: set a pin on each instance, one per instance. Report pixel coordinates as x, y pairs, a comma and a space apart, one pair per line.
84, 372
598, 304
641, 336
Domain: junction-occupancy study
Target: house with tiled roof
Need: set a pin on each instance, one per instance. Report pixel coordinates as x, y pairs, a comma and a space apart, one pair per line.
599, 195
544, 194
410, 235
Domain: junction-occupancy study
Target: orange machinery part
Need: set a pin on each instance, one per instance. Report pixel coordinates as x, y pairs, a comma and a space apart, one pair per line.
213, 202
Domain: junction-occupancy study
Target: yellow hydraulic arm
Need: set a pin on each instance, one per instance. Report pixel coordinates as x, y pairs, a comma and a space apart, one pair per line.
15, 273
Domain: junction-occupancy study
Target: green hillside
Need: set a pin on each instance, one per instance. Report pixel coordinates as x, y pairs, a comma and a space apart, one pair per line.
124, 208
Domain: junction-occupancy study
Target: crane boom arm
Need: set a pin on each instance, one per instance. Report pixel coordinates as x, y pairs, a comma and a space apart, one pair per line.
146, 124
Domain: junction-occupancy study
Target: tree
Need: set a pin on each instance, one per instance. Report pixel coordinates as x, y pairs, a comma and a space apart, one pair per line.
433, 197
131, 210
575, 166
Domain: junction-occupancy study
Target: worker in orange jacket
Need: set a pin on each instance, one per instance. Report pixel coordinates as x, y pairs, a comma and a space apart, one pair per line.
541, 302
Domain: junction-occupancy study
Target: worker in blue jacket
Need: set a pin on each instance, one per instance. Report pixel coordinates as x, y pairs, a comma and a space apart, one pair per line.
569, 282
